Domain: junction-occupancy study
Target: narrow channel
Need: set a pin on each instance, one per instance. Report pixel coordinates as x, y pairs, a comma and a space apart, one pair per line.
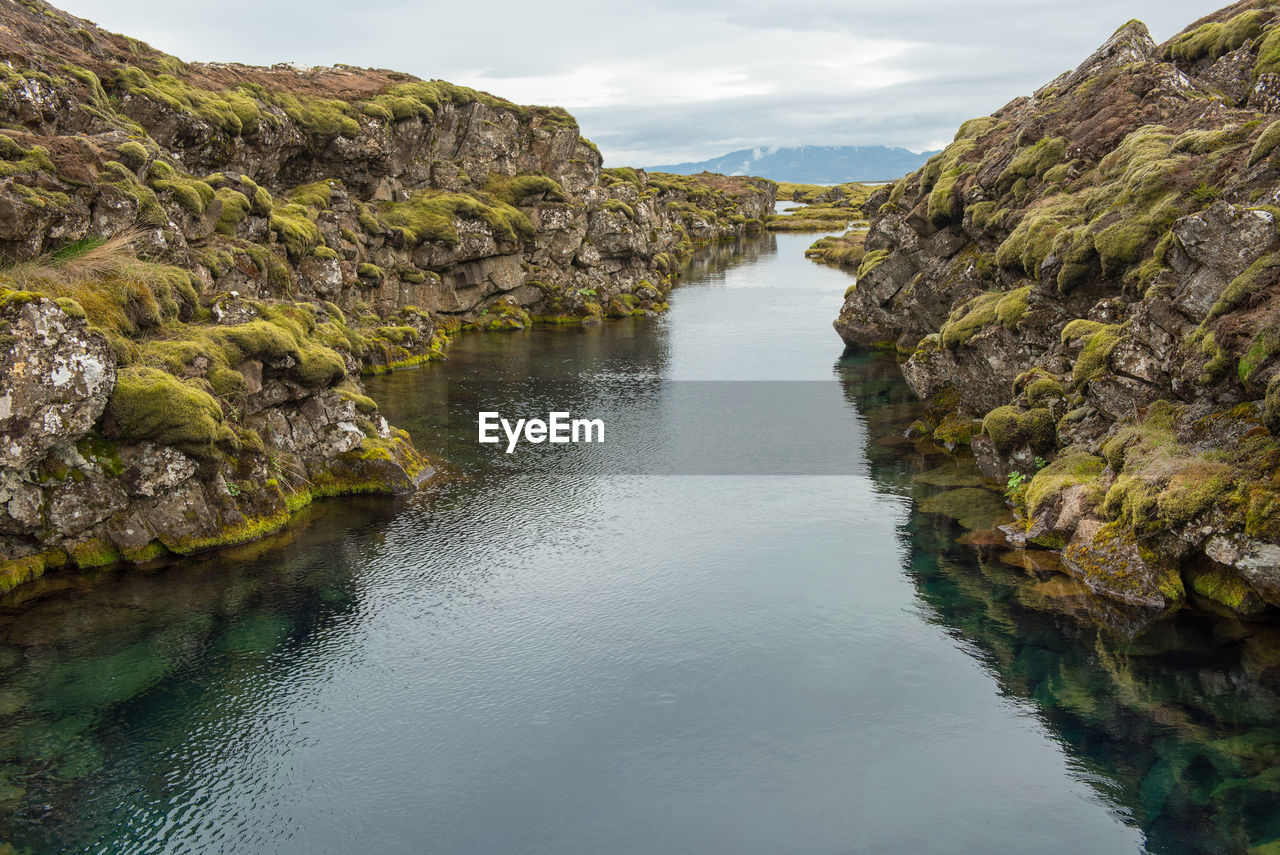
600, 655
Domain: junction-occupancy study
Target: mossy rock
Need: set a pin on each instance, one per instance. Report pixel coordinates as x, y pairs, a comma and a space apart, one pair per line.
1063, 473
1271, 406
152, 405
972, 507
1227, 588
955, 431
1010, 428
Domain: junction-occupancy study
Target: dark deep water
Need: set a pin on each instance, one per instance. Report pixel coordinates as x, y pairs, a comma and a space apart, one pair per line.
554, 657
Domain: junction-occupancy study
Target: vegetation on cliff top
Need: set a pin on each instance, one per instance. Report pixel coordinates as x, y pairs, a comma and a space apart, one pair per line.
1105, 244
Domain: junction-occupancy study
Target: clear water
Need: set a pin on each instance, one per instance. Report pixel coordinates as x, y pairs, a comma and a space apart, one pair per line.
557, 659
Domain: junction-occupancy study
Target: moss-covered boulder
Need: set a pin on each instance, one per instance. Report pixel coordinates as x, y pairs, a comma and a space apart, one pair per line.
1112, 562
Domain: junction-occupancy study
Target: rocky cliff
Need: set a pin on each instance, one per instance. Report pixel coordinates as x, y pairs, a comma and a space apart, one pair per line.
1085, 283
203, 259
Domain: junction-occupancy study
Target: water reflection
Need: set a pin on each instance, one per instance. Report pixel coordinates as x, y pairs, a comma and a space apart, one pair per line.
555, 661
1176, 722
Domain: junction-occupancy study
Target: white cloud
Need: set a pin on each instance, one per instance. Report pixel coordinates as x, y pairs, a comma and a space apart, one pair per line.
671, 80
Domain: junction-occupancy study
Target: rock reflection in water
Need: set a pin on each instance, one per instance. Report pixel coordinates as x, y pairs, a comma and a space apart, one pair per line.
1174, 718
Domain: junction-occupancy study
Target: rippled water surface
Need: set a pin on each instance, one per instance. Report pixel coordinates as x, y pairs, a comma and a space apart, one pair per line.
555, 657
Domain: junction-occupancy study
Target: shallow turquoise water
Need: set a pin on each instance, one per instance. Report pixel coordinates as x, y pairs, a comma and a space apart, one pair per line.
548, 656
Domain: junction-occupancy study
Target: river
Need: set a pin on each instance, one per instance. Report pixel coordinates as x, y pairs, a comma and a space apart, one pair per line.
639, 648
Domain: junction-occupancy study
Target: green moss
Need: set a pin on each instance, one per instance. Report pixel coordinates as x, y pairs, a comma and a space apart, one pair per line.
363, 403
226, 383
520, 189
191, 194
324, 252
943, 162
16, 571
506, 315
134, 154
235, 207
1123, 243
944, 200
1044, 391
72, 308
152, 405
954, 431
1033, 161
1262, 272
1268, 54
1215, 39
318, 195
1208, 140
1223, 586
95, 552
319, 367
1012, 307
1131, 502
261, 200
321, 120
1010, 428
871, 261
16, 160
370, 272
1068, 471
1263, 348
970, 318
97, 95
1002, 426
420, 98
1037, 234
1150, 437
1057, 174
1080, 328
974, 128
430, 216
1219, 361
980, 213
620, 175
293, 227
234, 112
1271, 406
1192, 491
619, 207
1094, 356
150, 211
249, 528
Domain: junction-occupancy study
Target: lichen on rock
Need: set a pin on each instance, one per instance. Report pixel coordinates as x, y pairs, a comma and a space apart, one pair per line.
1093, 272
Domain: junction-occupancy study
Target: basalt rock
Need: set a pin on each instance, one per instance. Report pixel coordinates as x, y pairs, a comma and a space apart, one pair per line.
1106, 253
202, 260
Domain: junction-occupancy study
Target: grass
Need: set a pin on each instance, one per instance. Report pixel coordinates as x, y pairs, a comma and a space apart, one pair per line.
845, 251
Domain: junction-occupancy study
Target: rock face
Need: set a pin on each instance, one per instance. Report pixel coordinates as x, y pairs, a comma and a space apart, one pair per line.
1093, 271
205, 258
57, 376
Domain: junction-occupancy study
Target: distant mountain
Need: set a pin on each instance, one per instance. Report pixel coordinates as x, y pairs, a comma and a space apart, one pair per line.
811, 164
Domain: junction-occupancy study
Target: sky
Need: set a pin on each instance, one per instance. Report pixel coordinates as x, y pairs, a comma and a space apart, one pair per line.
665, 81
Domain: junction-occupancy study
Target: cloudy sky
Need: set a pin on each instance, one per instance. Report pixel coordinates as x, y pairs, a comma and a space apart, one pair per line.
661, 81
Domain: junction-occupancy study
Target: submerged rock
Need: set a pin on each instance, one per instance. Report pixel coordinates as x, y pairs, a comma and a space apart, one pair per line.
1093, 272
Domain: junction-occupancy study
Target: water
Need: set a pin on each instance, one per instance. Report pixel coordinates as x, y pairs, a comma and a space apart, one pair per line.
542, 655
